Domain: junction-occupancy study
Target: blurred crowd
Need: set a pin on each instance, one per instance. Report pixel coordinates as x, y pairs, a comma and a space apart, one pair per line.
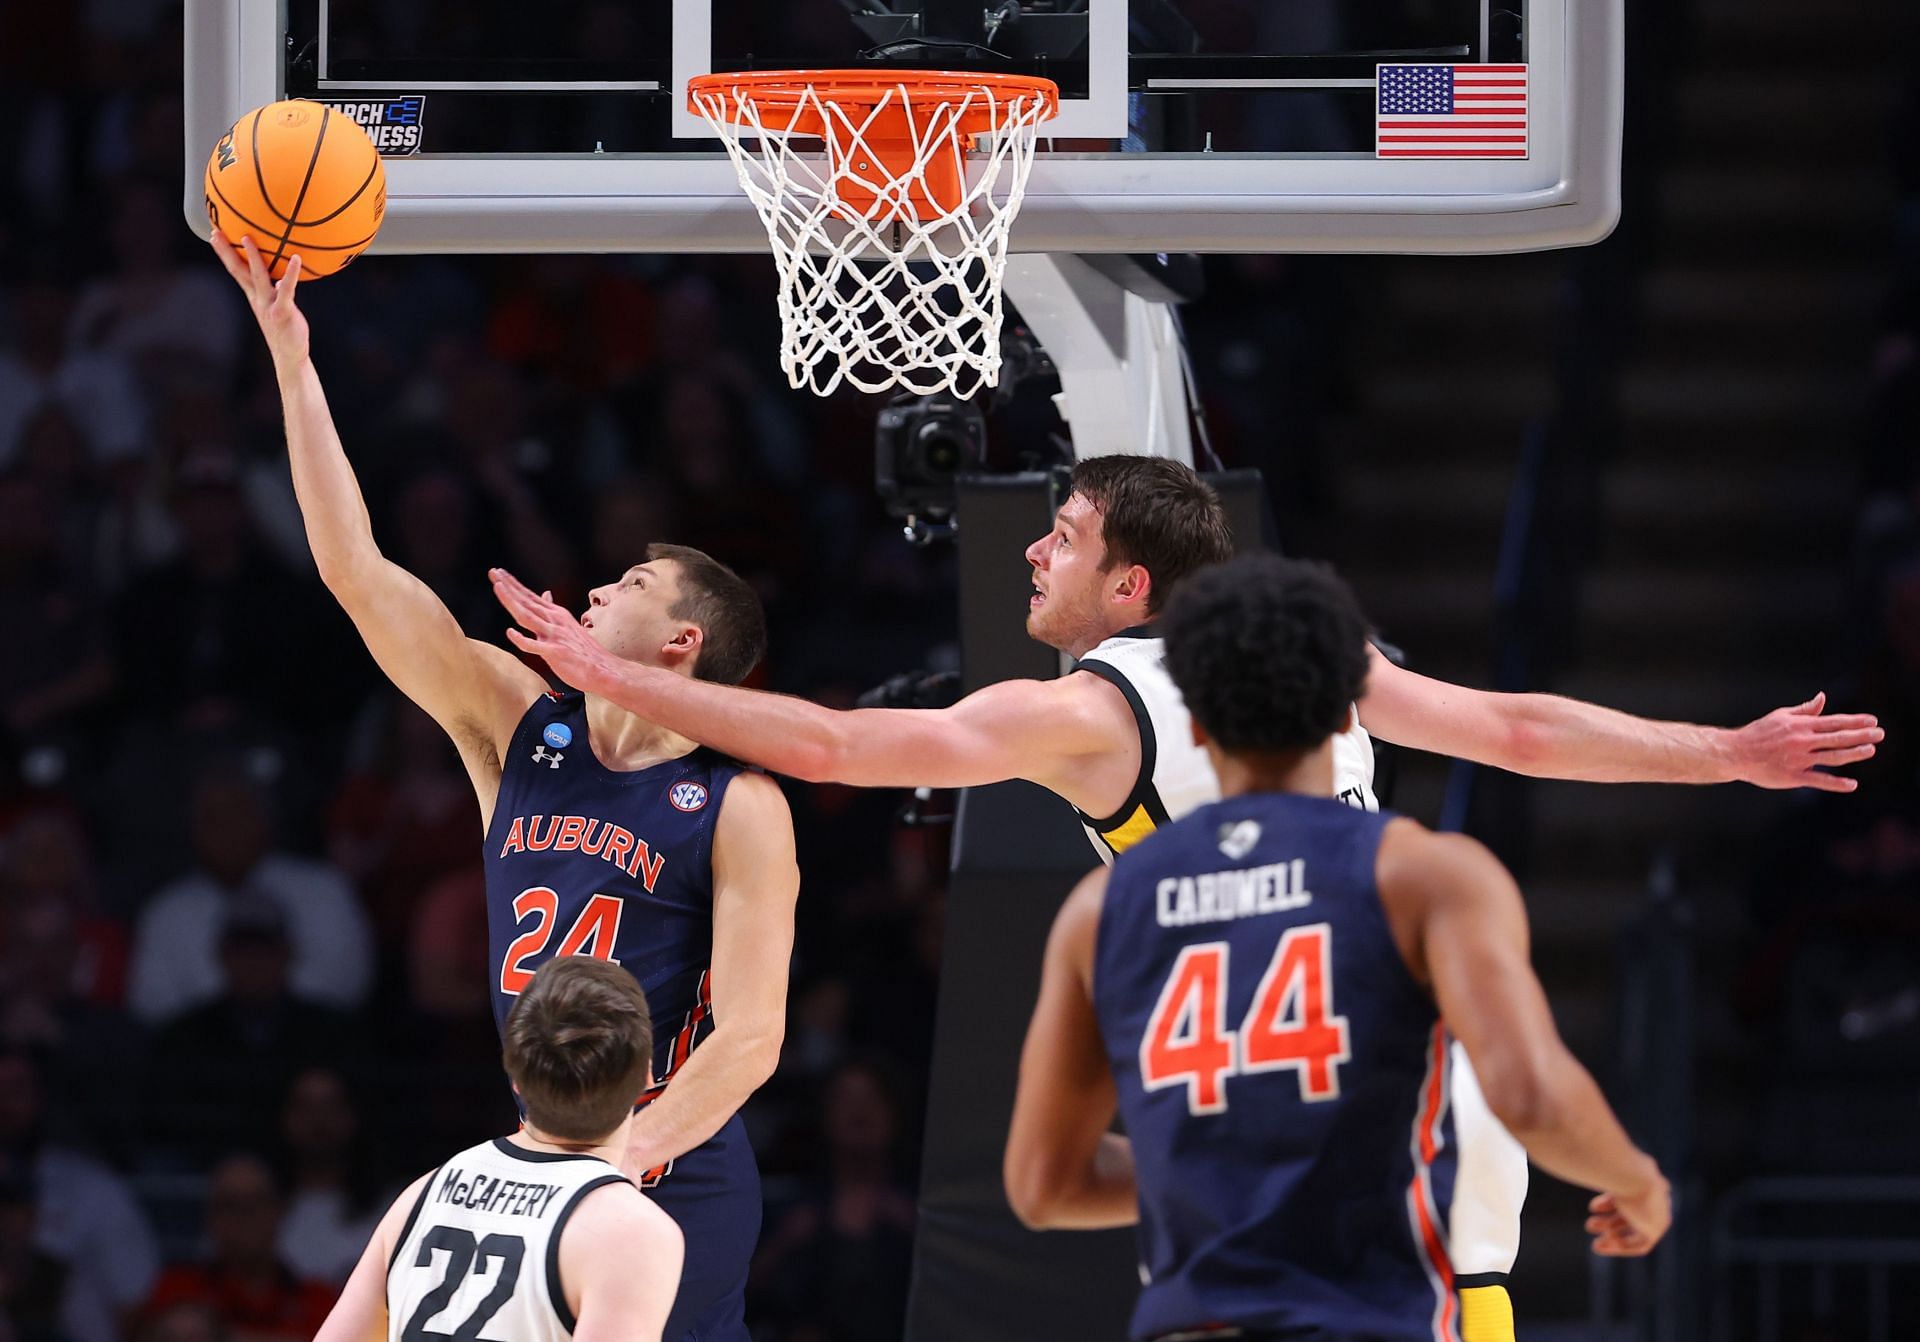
242, 935
1832, 985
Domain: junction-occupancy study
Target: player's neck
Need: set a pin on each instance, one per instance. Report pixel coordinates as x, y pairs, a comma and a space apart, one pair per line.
625, 741
531, 1138
1302, 773
1101, 633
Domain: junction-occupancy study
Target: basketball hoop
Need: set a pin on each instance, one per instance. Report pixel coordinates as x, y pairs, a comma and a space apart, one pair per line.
890, 252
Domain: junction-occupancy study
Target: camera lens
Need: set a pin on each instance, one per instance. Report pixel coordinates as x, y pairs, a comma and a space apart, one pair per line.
943, 452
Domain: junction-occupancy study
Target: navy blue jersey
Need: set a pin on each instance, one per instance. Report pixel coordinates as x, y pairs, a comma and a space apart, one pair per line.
586, 860
1281, 1075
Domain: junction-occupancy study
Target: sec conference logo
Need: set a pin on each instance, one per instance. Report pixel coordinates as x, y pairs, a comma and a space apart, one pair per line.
687, 796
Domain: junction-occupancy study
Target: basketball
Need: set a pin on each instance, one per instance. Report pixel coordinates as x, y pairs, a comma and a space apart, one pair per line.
298, 178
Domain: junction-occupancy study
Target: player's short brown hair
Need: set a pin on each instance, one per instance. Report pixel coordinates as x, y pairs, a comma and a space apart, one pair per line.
733, 627
578, 1045
1155, 513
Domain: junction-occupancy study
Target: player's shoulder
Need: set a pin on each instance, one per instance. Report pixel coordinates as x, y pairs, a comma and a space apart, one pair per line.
619, 1260
617, 1213
1079, 710
753, 837
505, 665
516, 687
752, 794
1414, 860
1098, 692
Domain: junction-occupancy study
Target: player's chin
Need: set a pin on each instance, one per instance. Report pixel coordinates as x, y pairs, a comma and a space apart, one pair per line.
1041, 629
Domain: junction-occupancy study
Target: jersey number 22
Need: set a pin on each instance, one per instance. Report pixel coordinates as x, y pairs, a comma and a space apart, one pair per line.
1290, 1025
464, 1254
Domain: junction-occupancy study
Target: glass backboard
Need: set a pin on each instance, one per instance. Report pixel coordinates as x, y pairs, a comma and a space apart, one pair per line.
1186, 125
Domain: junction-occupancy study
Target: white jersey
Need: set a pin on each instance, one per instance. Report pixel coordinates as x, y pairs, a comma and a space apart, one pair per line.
1175, 778
479, 1256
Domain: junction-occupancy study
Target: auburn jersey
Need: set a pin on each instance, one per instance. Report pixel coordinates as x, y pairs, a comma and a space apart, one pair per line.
1282, 1077
586, 860
1483, 1228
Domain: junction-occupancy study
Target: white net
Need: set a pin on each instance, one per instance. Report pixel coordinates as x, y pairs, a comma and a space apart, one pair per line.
886, 279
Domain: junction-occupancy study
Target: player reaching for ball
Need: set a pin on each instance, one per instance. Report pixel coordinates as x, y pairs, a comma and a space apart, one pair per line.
536, 1237
1112, 739
1264, 991
605, 834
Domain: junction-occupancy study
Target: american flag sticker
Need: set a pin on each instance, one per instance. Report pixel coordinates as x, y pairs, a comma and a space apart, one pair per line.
1451, 111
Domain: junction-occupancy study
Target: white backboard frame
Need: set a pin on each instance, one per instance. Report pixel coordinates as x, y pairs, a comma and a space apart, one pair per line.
1566, 193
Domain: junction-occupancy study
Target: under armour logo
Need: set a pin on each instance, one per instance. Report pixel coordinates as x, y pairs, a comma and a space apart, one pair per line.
550, 758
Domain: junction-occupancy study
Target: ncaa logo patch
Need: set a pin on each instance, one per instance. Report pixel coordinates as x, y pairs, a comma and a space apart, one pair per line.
687, 796
558, 735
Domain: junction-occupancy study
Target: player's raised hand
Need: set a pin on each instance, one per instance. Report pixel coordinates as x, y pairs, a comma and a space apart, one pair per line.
1628, 1226
280, 318
553, 635
1793, 747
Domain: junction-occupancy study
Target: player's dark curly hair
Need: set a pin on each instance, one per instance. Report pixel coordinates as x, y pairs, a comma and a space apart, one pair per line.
1269, 652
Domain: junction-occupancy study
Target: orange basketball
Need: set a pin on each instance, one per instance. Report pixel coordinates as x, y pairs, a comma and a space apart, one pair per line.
298, 178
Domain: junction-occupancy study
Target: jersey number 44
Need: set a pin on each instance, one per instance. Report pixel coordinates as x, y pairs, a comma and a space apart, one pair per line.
1291, 1023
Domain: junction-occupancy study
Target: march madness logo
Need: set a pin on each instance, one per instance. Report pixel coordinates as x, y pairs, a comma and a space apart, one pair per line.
394, 125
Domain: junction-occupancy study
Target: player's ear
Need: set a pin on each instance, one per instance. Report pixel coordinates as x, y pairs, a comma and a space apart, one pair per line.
1133, 585
684, 646
1349, 719
1200, 737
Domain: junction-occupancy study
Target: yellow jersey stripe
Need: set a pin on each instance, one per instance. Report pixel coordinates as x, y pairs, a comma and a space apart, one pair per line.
1125, 835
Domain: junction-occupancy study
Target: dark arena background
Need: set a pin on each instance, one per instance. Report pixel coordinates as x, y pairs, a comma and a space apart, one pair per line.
1676, 473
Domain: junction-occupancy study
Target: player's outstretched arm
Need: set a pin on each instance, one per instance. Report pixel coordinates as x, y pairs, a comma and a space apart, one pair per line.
1045, 731
360, 1314
620, 1259
755, 883
467, 687
1548, 736
1459, 916
1063, 1169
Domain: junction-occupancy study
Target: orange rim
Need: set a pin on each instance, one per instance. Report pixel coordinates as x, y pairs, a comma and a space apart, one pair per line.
782, 90
892, 144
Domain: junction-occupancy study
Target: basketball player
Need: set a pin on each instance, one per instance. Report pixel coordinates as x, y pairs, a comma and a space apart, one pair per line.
1113, 738
1260, 989
605, 834
538, 1236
